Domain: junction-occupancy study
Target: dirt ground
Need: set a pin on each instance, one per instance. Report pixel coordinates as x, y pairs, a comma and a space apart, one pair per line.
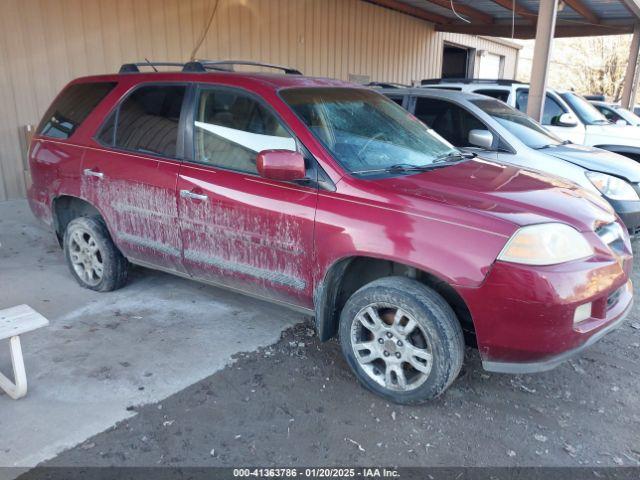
296, 403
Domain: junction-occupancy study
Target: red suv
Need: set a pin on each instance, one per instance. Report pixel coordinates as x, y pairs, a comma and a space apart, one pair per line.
330, 199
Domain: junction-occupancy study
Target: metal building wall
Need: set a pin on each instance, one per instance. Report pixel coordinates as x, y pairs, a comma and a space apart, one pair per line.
46, 43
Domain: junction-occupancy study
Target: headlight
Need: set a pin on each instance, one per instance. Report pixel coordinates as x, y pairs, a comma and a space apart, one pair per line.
612, 187
545, 244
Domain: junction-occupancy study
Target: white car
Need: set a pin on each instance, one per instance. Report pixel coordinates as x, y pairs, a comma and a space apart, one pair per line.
617, 114
566, 114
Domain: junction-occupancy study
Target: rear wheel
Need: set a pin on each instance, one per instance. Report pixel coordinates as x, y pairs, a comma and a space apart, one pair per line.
402, 340
92, 257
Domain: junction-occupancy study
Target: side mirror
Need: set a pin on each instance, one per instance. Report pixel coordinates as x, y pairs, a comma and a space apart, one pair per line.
481, 138
282, 165
566, 120
622, 122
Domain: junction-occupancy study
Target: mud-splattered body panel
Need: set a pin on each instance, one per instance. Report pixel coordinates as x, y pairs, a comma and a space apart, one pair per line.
137, 196
249, 233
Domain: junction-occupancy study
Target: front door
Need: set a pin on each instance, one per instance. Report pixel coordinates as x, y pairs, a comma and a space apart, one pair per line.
453, 123
551, 113
131, 175
239, 229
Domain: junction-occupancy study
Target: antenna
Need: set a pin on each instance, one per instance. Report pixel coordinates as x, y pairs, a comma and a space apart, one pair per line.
150, 64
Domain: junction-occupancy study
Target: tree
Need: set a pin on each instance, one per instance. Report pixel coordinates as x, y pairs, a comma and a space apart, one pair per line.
587, 65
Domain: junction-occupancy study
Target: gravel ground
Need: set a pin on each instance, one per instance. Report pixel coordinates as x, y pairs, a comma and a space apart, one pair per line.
296, 403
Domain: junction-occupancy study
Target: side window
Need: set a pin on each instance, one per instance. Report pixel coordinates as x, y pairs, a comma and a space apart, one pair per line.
231, 128
609, 114
552, 109
147, 121
397, 99
448, 119
455, 89
72, 107
494, 93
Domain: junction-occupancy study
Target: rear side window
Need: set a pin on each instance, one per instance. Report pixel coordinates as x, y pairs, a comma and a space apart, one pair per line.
147, 121
72, 107
490, 92
398, 100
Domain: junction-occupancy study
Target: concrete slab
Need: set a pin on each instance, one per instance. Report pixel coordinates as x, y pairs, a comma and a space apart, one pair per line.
105, 352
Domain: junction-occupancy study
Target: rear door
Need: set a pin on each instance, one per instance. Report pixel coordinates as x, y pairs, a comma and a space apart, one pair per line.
131, 174
239, 229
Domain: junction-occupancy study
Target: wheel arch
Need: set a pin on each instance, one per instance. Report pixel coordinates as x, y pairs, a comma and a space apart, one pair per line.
347, 275
65, 208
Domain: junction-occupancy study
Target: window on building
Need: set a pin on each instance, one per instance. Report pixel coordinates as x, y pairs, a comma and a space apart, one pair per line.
72, 107
148, 120
231, 128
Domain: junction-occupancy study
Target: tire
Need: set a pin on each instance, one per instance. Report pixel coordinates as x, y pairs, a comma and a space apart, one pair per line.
93, 259
435, 331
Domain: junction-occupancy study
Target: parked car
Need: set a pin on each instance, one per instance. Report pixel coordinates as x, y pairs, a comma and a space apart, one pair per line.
495, 130
330, 199
617, 114
565, 114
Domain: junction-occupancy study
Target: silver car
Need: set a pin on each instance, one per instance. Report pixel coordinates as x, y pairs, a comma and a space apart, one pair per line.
493, 129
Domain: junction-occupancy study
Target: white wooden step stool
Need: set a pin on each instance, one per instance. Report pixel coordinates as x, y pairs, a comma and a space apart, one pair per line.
14, 322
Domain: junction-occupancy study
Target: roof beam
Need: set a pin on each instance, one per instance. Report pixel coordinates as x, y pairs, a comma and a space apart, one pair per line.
466, 10
633, 6
413, 11
521, 11
583, 10
526, 31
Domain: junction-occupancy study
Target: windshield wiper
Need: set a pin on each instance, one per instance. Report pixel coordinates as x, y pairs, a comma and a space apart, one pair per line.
551, 145
438, 162
454, 157
398, 168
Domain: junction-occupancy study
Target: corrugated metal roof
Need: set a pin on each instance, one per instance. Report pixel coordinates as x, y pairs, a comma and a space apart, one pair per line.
575, 17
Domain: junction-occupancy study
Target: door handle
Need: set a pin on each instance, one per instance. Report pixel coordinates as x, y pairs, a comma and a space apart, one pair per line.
92, 173
192, 195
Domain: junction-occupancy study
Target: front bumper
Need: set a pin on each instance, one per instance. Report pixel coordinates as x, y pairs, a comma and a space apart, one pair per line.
553, 362
629, 213
524, 316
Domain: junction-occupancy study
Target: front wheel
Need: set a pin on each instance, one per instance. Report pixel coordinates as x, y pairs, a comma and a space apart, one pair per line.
402, 340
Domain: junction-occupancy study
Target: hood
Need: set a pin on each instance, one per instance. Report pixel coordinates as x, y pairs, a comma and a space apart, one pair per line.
598, 160
616, 134
516, 195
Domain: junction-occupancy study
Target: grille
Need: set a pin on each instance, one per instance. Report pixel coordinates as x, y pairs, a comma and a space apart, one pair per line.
613, 298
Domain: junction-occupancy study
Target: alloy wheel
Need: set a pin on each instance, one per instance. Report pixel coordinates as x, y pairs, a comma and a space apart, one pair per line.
391, 347
86, 257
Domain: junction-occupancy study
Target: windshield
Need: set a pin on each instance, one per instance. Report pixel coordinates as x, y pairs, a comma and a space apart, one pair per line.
527, 130
585, 111
364, 130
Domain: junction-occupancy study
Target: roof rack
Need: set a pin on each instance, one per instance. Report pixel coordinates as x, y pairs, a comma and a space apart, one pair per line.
387, 85
134, 67
204, 66
498, 81
227, 65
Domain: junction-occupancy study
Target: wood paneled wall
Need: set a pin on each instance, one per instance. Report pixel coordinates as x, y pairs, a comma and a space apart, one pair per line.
46, 43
